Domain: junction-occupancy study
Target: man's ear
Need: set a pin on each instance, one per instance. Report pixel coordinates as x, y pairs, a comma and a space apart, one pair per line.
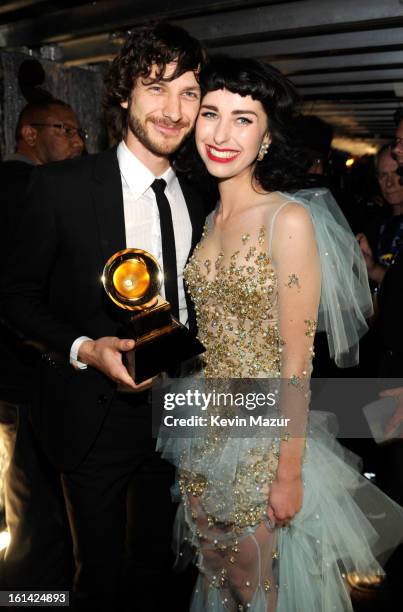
29, 135
125, 104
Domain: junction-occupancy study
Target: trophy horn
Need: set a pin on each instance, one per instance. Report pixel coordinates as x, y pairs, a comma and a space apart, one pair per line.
132, 278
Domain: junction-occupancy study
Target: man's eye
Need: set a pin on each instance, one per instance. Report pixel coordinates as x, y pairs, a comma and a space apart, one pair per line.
155, 88
191, 94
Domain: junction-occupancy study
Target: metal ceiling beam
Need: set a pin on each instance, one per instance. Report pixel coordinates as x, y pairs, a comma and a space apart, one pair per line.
346, 89
363, 133
356, 60
387, 124
84, 50
296, 17
346, 104
104, 16
8, 7
331, 78
387, 115
329, 43
265, 20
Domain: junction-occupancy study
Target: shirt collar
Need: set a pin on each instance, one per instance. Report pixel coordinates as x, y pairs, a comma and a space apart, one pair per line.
169, 177
137, 176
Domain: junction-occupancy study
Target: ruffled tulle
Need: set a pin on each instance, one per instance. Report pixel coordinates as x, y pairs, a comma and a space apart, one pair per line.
345, 301
346, 524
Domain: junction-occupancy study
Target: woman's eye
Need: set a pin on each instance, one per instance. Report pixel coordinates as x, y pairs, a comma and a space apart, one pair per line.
244, 121
208, 114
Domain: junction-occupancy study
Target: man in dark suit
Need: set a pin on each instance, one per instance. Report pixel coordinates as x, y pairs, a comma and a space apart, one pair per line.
90, 417
39, 555
46, 131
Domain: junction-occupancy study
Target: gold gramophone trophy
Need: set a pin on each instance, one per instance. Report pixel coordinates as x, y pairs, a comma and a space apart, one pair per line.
132, 278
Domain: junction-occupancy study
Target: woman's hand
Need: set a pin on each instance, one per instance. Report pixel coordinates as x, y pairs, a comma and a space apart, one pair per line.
285, 500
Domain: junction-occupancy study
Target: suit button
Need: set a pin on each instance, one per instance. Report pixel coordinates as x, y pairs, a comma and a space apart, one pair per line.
102, 399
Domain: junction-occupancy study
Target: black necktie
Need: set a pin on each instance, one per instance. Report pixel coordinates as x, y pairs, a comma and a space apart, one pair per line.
168, 246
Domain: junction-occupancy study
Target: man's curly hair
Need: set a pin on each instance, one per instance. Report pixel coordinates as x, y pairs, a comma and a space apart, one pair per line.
159, 44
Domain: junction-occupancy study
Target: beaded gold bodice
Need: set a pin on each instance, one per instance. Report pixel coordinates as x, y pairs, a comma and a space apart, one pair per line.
236, 304
256, 314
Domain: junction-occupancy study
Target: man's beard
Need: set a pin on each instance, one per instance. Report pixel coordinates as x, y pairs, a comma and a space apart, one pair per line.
157, 148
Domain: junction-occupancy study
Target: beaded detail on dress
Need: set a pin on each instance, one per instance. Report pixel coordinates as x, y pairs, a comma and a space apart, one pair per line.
236, 307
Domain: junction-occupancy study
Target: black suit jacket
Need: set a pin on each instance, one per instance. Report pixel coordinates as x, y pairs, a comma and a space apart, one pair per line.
52, 290
15, 357
389, 325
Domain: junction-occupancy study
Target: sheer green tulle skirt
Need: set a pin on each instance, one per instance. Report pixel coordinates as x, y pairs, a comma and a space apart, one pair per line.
345, 524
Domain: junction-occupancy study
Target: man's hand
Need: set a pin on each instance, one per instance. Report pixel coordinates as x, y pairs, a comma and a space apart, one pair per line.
366, 250
376, 272
397, 418
105, 354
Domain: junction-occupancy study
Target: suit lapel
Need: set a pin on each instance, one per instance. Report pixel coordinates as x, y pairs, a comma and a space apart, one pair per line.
108, 203
195, 206
196, 211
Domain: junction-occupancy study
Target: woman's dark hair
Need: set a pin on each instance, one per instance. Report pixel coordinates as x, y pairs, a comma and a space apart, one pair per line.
286, 163
159, 44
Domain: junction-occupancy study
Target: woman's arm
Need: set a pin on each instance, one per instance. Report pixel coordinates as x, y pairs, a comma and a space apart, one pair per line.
296, 260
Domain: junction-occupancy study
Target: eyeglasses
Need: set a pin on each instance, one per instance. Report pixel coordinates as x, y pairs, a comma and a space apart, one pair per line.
398, 142
67, 130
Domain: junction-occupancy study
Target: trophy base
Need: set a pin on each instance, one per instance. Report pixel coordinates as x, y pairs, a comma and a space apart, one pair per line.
162, 343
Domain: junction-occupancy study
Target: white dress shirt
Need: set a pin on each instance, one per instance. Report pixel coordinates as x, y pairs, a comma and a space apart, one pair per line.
142, 222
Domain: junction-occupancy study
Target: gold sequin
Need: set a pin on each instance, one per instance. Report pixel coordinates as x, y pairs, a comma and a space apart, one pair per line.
218, 261
207, 265
311, 327
293, 280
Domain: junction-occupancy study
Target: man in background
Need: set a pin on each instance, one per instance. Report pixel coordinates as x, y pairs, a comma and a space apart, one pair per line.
46, 132
39, 555
381, 244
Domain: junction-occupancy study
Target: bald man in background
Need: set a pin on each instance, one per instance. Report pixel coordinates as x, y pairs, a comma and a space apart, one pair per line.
39, 555
46, 132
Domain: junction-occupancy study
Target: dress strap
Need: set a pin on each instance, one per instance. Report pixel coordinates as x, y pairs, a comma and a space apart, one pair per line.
272, 224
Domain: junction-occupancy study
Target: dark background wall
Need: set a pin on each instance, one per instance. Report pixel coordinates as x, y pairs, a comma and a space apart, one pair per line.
82, 88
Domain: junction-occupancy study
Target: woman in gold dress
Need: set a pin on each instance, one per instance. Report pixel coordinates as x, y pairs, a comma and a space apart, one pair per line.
272, 521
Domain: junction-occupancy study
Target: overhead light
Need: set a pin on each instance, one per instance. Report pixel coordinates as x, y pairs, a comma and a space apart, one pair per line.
355, 147
350, 162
